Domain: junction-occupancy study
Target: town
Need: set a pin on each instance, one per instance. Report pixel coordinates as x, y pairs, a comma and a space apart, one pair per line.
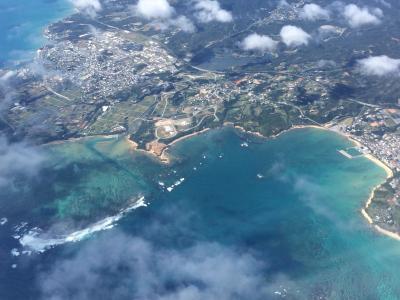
100, 79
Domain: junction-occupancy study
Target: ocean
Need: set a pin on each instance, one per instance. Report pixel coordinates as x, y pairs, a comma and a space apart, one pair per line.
22, 23
234, 217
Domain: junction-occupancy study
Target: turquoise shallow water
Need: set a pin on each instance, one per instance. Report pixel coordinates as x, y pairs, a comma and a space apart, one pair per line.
252, 219
302, 217
22, 23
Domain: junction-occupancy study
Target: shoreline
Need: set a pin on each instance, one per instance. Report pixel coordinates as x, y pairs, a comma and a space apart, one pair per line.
64, 10
165, 158
376, 161
389, 171
162, 156
369, 156
83, 138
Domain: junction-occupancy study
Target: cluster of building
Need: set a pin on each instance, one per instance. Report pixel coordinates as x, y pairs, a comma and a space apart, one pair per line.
376, 129
285, 12
107, 63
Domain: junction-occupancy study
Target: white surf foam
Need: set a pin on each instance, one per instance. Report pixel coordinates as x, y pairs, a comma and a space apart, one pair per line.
15, 252
38, 241
178, 182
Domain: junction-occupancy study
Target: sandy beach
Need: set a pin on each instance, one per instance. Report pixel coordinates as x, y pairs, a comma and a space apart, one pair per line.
379, 229
188, 136
388, 170
393, 235
161, 152
390, 174
375, 160
163, 156
366, 216
372, 158
132, 144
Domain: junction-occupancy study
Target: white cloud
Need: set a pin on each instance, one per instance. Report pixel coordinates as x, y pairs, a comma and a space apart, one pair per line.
379, 66
294, 36
258, 42
357, 16
163, 14
314, 12
154, 9
89, 7
210, 10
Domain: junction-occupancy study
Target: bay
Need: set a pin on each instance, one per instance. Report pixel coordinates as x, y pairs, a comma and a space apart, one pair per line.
234, 216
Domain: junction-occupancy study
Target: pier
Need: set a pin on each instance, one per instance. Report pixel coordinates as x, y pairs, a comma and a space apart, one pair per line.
352, 152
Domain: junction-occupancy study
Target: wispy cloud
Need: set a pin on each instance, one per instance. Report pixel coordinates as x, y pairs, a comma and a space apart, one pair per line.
18, 159
283, 3
6, 90
88, 7
180, 22
117, 266
384, 3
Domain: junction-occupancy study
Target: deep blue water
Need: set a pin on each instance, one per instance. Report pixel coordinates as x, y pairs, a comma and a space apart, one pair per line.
22, 23
277, 219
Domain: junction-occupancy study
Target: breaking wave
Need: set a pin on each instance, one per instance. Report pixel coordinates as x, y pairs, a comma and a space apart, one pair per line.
36, 240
